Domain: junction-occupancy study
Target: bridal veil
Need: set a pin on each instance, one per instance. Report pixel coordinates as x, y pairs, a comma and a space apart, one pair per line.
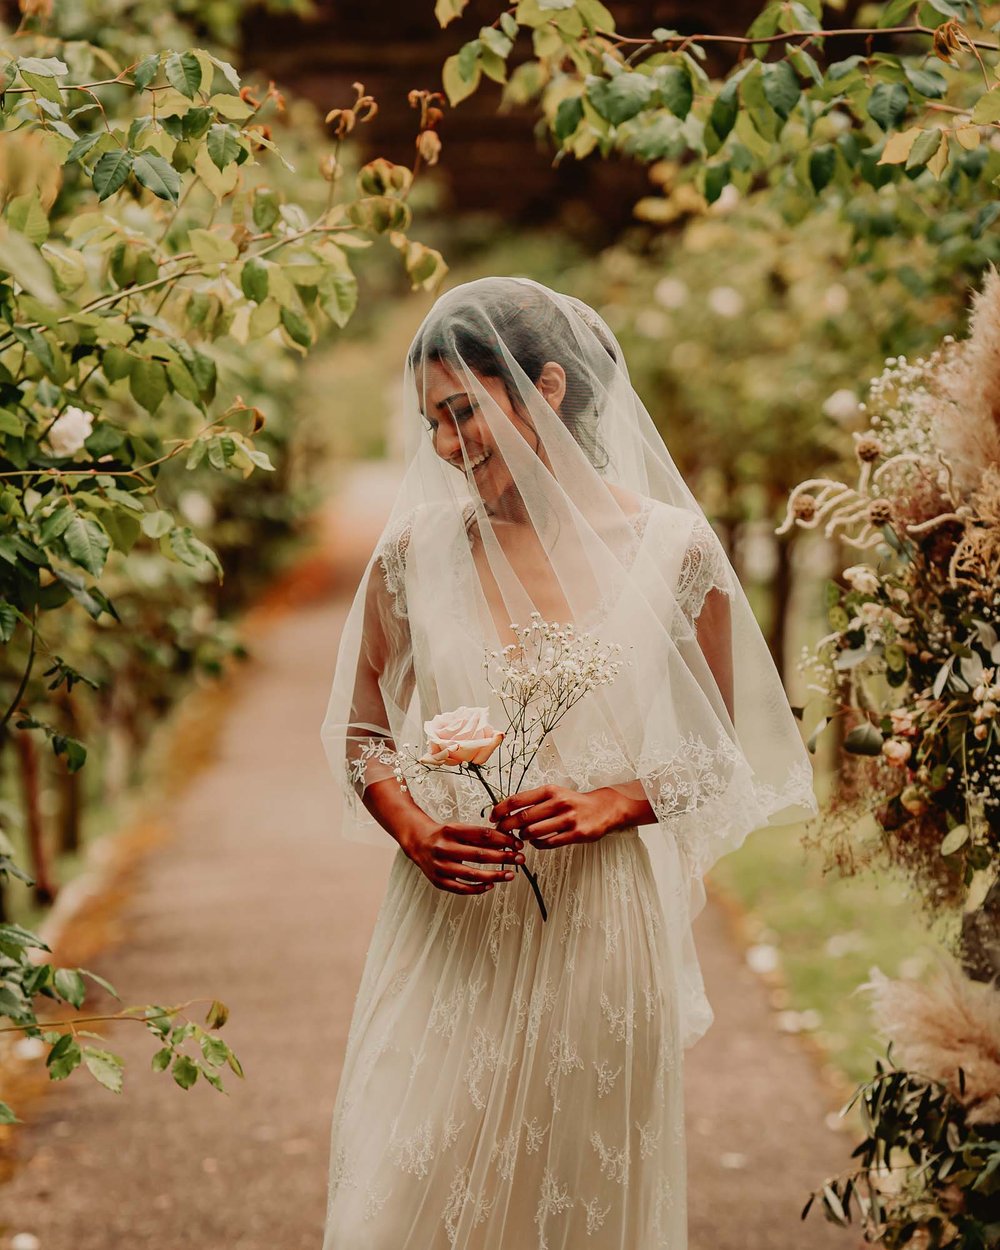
536, 481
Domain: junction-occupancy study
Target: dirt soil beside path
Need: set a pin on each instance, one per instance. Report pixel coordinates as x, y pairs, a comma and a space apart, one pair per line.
253, 898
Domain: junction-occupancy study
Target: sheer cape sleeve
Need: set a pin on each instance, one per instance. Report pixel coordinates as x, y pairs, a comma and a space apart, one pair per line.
381, 672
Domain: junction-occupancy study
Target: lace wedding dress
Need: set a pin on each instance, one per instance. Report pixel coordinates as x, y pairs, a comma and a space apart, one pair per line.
510, 1084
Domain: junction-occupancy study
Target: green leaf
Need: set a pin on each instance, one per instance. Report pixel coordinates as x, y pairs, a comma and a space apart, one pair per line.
46, 86
676, 89
297, 327
888, 103
25, 213
157, 175
83, 145
212, 249
448, 10
116, 364
924, 148
596, 16
987, 109
343, 300
725, 110
104, 1067
146, 71
929, 82
569, 114
111, 171
43, 66
954, 839
184, 1071
716, 180
253, 279
822, 163
456, 86
148, 383
64, 1056
223, 144
620, 98
161, 1060
183, 70
895, 13
7, 1116
88, 545
864, 739
69, 984
781, 88
156, 524
191, 551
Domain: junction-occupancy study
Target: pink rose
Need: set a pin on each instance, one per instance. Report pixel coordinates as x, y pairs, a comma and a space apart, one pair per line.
463, 736
896, 752
902, 722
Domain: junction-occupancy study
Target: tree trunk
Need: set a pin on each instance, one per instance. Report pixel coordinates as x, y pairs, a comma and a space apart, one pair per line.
780, 593
27, 755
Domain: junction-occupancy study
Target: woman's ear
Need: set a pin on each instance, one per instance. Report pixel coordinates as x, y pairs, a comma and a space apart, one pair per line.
552, 383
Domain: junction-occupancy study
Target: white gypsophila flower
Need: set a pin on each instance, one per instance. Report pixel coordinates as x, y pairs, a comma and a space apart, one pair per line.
726, 301
841, 406
670, 293
69, 431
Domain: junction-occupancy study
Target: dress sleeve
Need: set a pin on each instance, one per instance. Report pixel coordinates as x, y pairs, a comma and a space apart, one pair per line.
704, 567
384, 675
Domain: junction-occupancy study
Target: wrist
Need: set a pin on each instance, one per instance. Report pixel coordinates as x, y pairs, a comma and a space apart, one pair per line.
617, 810
411, 830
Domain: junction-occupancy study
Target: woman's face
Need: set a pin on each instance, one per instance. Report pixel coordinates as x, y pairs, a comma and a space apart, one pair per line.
461, 432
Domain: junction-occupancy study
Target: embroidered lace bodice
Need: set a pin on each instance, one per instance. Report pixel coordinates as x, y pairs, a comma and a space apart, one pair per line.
703, 567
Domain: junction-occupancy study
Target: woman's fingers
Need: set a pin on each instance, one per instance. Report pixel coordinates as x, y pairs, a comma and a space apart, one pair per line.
460, 887
530, 816
543, 828
482, 837
479, 854
456, 868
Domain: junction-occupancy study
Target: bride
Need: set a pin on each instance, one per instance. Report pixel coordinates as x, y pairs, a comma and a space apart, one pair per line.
514, 1082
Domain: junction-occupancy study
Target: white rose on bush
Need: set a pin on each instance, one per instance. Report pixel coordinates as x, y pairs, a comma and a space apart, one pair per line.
69, 430
464, 736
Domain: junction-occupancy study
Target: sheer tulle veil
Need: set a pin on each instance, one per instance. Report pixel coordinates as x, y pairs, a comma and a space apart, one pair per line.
536, 481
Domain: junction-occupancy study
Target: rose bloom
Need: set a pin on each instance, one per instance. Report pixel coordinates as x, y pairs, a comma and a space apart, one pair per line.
69, 430
860, 577
464, 736
896, 752
902, 721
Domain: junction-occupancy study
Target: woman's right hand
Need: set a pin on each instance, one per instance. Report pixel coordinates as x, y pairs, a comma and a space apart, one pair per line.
439, 851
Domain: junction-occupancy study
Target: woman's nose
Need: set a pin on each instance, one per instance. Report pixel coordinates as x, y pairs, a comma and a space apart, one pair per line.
447, 440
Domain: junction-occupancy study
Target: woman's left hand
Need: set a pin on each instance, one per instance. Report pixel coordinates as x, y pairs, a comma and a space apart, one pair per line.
551, 816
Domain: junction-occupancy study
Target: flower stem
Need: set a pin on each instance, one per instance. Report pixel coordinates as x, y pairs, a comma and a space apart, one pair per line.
532, 879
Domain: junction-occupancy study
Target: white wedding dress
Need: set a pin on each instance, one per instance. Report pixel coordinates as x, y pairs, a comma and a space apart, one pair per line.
510, 1084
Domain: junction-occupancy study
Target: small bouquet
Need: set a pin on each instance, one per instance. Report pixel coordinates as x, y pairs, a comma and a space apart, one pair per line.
537, 680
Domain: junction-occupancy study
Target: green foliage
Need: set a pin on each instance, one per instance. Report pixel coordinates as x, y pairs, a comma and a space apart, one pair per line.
917, 1134
789, 117
163, 268
24, 983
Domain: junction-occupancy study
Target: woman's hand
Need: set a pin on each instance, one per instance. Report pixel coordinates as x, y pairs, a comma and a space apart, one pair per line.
551, 816
438, 851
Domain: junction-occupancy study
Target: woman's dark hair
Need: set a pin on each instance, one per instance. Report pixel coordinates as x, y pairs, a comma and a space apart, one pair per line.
534, 329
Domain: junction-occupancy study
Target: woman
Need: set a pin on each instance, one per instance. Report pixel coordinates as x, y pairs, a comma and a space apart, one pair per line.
512, 1082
